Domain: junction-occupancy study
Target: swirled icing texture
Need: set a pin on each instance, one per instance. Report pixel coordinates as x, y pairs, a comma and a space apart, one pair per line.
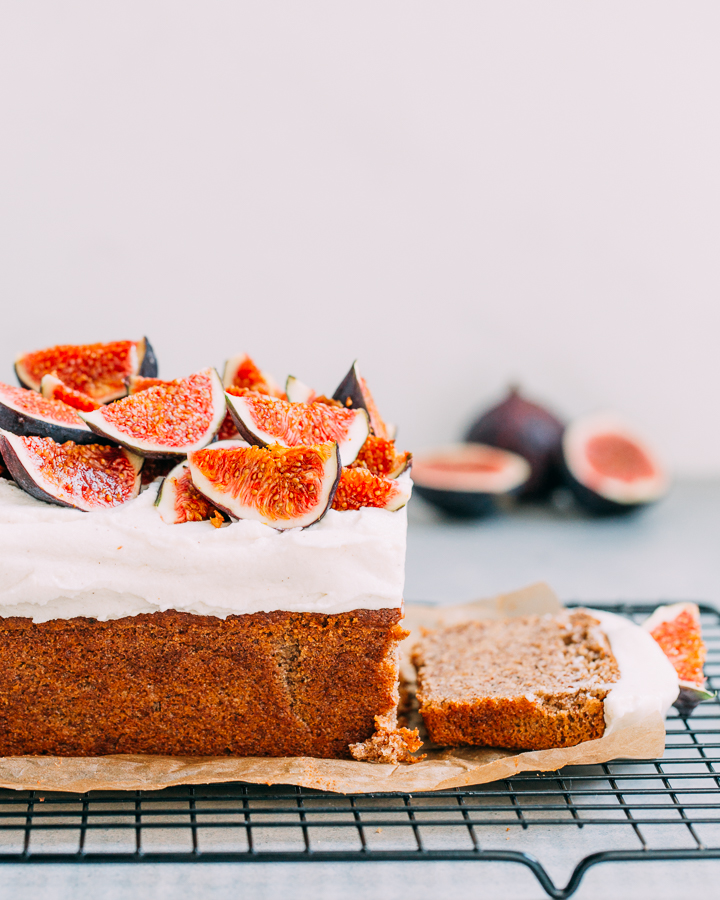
56, 563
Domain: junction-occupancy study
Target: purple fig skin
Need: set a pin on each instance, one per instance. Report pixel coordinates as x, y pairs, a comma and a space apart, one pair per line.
529, 430
149, 365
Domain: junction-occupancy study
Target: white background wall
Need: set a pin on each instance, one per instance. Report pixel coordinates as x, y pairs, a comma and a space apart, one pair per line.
460, 194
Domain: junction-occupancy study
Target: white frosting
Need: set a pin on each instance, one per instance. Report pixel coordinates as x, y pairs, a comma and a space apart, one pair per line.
57, 563
648, 682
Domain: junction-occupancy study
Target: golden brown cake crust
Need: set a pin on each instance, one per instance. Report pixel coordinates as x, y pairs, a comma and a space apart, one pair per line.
531, 683
173, 683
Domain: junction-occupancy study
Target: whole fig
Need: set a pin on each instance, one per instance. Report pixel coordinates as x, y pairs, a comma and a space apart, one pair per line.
529, 430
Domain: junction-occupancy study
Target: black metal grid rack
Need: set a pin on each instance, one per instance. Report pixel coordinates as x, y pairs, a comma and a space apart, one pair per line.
666, 809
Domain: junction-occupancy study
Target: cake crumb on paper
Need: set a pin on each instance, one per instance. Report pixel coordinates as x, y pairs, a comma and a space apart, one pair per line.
389, 744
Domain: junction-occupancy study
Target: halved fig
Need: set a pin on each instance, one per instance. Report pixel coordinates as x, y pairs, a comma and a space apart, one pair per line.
676, 628
359, 487
26, 412
297, 391
241, 372
98, 370
380, 457
353, 392
285, 487
137, 383
608, 468
167, 420
82, 476
265, 420
468, 480
52, 388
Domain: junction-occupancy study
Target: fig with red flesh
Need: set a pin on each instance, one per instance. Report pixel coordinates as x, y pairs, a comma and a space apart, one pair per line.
178, 500
82, 476
26, 412
608, 468
167, 420
98, 370
52, 388
529, 430
241, 372
284, 487
137, 383
379, 456
359, 487
676, 628
265, 420
353, 393
467, 480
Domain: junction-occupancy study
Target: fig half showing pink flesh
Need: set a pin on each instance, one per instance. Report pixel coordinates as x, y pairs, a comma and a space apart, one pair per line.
284, 487
167, 420
608, 468
26, 412
467, 480
266, 420
82, 476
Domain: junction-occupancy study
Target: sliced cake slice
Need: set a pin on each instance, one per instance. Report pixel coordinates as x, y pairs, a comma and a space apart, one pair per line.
530, 683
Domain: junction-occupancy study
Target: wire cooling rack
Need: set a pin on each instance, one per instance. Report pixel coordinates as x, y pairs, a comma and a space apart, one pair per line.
666, 809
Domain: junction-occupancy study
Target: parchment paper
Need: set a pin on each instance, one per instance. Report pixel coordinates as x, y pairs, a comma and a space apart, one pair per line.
444, 768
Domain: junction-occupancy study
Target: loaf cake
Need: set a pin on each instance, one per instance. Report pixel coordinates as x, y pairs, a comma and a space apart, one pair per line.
531, 683
226, 623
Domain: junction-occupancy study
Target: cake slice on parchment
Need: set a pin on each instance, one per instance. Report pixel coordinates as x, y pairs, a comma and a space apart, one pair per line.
531, 682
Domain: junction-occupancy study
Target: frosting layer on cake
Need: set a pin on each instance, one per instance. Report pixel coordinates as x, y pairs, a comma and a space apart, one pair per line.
57, 563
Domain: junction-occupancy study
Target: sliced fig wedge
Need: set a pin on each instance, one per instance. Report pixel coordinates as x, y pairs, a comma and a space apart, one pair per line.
266, 420
98, 370
676, 628
241, 372
359, 487
52, 388
26, 412
285, 487
353, 393
81, 476
380, 457
179, 501
167, 420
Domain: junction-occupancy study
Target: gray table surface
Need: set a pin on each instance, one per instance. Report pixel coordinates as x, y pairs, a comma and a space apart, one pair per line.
668, 552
